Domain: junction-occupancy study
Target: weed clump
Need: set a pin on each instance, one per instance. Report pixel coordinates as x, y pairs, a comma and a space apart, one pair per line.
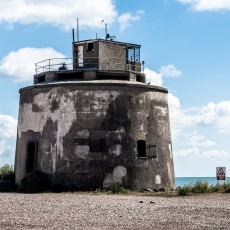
203, 187
184, 191
200, 187
117, 188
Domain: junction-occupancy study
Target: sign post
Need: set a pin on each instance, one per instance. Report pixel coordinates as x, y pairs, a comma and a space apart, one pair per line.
220, 173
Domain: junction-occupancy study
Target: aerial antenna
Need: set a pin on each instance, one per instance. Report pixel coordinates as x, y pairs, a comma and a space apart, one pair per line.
77, 30
105, 29
73, 35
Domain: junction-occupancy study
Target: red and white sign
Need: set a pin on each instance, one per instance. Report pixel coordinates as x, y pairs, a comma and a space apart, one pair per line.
220, 173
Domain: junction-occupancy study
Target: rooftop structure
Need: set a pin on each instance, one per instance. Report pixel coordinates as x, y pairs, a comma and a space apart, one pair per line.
95, 59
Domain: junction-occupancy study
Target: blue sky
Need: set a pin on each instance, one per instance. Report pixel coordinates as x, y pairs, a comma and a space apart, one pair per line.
185, 46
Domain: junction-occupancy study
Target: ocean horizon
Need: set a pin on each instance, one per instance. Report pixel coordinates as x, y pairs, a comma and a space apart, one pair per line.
181, 181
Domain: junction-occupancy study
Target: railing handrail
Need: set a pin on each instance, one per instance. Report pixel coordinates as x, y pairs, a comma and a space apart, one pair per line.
50, 63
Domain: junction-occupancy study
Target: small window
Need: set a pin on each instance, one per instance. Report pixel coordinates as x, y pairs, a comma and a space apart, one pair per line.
90, 47
141, 148
133, 54
152, 151
98, 145
41, 79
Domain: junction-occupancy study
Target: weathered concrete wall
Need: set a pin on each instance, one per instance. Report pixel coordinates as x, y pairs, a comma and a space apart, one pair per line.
87, 133
112, 56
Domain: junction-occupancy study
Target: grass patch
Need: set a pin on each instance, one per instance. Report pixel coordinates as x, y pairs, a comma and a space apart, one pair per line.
117, 188
201, 187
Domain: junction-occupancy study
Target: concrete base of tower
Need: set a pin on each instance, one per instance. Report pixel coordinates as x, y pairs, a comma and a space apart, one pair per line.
89, 135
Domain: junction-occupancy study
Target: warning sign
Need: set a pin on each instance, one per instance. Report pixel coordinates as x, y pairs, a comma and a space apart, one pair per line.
220, 173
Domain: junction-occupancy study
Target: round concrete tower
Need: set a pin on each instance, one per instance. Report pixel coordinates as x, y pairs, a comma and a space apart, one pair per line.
92, 121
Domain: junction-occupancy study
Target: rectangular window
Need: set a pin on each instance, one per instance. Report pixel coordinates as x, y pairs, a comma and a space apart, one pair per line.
133, 54
152, 151
90, 47
98, 145
141, 149
137, 54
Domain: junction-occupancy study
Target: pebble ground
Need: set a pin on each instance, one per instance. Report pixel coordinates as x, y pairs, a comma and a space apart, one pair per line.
89, 211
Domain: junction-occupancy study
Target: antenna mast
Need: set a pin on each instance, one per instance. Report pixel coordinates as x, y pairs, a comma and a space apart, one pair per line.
77, 30
106, 31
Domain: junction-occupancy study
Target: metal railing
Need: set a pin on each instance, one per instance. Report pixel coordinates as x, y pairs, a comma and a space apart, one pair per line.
60, 64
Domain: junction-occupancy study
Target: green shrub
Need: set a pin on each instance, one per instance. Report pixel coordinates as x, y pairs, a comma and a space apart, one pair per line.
184, 191
200, 187
7, 172
117, 188
226, 187
35, 182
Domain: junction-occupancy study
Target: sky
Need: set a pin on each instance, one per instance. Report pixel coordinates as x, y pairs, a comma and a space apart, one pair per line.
185, 45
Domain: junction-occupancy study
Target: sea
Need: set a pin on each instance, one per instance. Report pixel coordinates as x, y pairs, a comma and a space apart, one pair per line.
181, 181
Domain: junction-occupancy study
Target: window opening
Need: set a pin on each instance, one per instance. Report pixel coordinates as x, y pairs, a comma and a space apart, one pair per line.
90, 47
141, 148
31, 156
137, 54
98, 145
152, 151
133, 54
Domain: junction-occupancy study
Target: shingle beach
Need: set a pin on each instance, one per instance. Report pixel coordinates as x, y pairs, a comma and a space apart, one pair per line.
89, 211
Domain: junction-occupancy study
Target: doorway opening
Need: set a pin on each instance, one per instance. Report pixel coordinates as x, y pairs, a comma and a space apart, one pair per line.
31, 156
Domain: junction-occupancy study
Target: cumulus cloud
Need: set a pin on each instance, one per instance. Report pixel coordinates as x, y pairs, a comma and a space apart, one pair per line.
20, 64
8, 126
8, 131
6, 151
194, 152
207, 5
153, 77
196, 139
126, 19
217, 115
170, 71
60, 13
179, 117
213, 115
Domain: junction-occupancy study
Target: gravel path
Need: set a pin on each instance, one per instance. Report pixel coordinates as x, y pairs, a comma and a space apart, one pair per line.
88, 211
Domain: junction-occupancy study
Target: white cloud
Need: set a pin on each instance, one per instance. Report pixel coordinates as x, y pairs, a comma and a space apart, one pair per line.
8, 131
217, 115
195, 139
61, 13
5, 150
213, 115
153, 77
188, 152
197, 154
126, 19
179, 117
20, 64
170, 71
8, 126
207, 5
